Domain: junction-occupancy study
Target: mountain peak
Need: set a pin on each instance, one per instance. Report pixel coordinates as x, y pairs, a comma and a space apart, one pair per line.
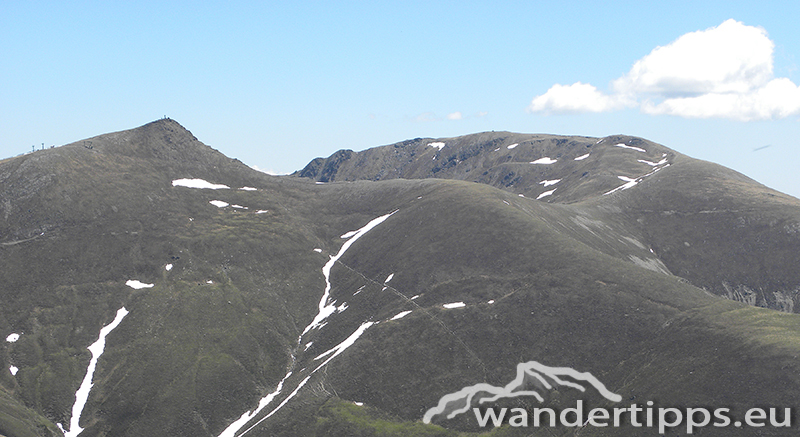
161, 139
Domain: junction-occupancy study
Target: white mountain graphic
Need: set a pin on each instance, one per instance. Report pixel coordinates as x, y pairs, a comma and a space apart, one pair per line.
459, 402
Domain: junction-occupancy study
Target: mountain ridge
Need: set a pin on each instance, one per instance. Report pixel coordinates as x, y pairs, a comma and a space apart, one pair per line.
485, 280
669, 184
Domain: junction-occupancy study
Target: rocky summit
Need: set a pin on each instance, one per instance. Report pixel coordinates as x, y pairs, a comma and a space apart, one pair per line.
152, 286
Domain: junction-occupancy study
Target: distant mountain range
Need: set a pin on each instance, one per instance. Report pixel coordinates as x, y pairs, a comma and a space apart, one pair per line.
349, 298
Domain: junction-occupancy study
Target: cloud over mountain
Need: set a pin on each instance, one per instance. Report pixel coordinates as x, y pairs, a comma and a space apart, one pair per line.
725, 71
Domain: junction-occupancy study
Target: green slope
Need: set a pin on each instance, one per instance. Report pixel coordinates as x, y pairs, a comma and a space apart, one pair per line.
219, 330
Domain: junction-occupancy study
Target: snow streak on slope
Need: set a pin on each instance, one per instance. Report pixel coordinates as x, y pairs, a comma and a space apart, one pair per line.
198, 183
336, 350
546, 193
83, 392
625, 146
399, 316
326, 308
631, 182
582, 157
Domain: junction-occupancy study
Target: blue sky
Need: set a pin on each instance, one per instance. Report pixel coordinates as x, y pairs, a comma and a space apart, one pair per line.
277, 84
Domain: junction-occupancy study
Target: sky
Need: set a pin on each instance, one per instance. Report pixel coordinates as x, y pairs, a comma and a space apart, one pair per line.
276, 84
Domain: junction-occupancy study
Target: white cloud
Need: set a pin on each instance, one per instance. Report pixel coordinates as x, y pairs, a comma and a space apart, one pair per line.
725, 71
455, 116
779, 98
729, 58
578, 97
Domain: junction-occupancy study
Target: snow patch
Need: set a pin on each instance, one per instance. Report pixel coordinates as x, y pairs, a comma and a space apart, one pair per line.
198, 183
414, 297
545, 161
632, 182
248, 189
440, 146
360, 404
400, 315
12, 338
318, 250
512, 146
168, 267
388, 278
348, 235
261, 211
138, 285
582, 157
551, 182
13, 370
490, 302
219, 203
239, 207
454, 305
653, 164
547, 193
82, 395
625, 146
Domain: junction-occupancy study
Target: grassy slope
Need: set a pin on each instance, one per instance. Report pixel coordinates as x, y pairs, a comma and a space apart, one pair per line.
107, 217
557, 301
710, 225
193, 356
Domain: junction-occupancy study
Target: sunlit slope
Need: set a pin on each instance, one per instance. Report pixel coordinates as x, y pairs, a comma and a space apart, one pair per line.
553, 168
81, 220
721, 231
626, 196
532, 293
457, 284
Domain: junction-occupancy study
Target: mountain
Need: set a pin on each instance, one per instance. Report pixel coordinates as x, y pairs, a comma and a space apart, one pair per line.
712, 226
324, 304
